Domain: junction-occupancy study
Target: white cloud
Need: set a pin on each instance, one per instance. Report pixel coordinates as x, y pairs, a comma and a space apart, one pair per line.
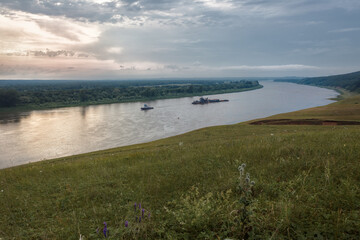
116, 50
217, 4
270, 67
99, 1
343, 30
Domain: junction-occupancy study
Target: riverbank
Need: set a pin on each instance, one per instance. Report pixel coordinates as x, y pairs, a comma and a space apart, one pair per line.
106, 126
306, 185
52, 105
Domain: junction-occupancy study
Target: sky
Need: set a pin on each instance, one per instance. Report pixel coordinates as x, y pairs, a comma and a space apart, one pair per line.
124, 39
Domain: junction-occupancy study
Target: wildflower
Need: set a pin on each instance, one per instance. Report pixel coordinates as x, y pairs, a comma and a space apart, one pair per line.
149, 216
181, 143
105, 229
139, 205
243, 165
252, 183
135, 206
143, 211
126, 223
81, 237
139, 219
271, 134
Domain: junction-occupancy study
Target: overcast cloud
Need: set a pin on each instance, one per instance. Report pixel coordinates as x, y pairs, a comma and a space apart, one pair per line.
118, 39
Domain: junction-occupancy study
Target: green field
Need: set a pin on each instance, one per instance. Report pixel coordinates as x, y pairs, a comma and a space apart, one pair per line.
307, 185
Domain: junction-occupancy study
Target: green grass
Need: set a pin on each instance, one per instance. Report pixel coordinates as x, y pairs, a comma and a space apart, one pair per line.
306, 186
346, 109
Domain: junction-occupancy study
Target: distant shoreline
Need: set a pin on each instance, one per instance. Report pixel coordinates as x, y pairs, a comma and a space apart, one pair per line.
25, 108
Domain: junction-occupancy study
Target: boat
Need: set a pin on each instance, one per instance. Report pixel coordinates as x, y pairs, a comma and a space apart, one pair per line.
207, 100
146, 107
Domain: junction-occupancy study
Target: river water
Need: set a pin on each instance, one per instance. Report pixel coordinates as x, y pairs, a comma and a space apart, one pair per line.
37, 135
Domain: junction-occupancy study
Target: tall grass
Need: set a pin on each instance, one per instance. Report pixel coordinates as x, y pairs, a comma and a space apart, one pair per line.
307, 185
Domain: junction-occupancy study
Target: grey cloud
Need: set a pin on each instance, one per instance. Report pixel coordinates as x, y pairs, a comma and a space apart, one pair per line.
83, 55
105, 12
344, 30
178, 33
49, 53
58, 28
79, 10
172, 67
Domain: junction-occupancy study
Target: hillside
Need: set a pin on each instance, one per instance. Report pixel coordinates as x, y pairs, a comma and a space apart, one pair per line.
350, 81
306, 186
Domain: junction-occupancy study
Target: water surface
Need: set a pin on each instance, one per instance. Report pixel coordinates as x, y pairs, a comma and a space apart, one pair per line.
38, 135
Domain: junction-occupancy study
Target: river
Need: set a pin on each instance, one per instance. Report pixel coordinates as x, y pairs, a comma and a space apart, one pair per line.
45, 134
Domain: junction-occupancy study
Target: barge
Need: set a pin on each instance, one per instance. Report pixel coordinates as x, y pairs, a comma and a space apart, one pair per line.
207, 100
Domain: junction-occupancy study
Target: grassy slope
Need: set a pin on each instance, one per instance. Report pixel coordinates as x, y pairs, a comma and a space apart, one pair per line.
307, 185
346, 109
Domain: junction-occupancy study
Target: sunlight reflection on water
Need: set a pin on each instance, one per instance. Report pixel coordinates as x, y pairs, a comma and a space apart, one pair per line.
37, 135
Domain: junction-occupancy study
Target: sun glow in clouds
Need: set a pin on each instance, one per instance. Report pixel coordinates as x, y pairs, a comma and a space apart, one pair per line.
116, 50
33, 44
25, 31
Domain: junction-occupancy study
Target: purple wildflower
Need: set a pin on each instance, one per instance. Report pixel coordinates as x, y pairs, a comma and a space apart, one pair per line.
126, 223
105, 229
143, 211
139, 219
139, 205
135, 206
136, 219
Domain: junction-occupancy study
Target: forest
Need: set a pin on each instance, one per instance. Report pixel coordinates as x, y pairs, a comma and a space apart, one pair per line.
71, 93
350, 81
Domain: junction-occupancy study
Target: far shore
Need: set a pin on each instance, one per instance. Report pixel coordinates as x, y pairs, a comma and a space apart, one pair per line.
26, 108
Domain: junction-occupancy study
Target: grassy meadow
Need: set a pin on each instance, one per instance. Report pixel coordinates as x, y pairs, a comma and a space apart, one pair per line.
307, 185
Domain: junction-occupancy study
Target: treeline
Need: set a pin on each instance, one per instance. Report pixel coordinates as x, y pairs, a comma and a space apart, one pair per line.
15, 93
350, 81
9, 97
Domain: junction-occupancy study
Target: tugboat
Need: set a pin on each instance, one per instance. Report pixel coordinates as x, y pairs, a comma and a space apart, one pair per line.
207, 100
146, 107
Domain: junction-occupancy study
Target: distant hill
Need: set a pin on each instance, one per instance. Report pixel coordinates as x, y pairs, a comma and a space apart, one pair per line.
350, 81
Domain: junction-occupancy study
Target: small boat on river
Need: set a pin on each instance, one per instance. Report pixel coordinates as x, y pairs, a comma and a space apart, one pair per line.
146, 107
207, 100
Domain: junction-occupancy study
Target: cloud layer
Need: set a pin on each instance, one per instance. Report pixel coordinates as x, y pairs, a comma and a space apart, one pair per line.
114, 39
